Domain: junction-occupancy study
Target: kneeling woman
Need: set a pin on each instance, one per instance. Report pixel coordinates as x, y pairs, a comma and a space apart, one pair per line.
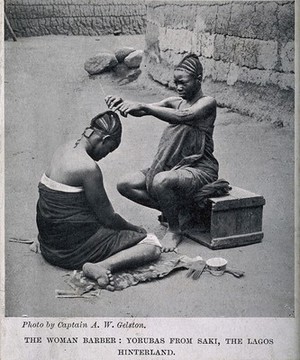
77, 225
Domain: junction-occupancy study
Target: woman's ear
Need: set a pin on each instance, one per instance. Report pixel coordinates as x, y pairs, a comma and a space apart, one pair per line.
105, 138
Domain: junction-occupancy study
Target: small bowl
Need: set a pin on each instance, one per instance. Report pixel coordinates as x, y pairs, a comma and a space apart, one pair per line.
216, 266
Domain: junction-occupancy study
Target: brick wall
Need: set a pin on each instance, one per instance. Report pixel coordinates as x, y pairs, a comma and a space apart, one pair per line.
76, 17
238, 41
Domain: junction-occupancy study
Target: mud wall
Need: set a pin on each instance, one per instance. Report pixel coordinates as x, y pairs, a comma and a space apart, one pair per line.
246, 41
76, 17
246, 47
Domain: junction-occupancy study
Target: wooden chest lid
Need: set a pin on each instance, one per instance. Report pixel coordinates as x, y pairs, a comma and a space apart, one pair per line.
237, 198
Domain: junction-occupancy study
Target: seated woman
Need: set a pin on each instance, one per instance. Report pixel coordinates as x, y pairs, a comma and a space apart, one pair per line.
77, 225
184, 161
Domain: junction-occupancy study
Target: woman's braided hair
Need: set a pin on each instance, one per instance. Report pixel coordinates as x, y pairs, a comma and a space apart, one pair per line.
108, 123
192, 65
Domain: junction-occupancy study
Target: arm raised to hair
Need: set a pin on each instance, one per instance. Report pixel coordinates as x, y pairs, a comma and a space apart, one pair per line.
116, 103
99, 202
167, 112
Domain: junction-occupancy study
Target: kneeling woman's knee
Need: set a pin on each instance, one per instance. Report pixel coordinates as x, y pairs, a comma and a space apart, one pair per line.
123, 187
165, 181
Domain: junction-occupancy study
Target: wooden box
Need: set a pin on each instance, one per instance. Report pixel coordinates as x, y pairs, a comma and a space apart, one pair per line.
231, 220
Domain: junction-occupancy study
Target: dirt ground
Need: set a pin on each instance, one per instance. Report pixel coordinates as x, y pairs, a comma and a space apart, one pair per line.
48, 98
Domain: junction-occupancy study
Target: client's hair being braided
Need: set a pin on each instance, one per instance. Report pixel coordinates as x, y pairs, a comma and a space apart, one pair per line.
108, 123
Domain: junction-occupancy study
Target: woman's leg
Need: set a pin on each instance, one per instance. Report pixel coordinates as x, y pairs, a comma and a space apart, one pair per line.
173, 190
134, 256
133, 187
165, 185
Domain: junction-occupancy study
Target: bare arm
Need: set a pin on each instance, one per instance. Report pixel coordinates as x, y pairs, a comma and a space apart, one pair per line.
98, 199
166, 111
115, 103
200, 110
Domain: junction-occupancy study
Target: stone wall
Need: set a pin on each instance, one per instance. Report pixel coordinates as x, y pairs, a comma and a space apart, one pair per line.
76, 17
240, 43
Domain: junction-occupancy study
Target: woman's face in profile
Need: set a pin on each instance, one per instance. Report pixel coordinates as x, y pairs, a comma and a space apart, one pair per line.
186, 84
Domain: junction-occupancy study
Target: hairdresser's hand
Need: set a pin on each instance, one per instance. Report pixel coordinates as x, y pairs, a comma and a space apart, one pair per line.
112, 101
132, 108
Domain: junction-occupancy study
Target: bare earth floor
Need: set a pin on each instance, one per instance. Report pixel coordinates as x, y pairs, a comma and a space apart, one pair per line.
48, 97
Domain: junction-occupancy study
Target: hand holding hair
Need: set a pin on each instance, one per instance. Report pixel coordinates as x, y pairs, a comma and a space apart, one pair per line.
112, 101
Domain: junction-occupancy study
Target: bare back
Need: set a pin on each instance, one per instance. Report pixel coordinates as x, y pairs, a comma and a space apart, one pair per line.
69, 165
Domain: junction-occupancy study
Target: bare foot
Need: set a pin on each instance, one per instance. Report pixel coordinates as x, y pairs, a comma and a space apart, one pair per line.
103, 276
170, 241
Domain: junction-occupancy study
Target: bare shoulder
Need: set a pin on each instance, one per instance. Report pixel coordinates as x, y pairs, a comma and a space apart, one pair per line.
87, 167
87, 173
207, 101
206, 106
